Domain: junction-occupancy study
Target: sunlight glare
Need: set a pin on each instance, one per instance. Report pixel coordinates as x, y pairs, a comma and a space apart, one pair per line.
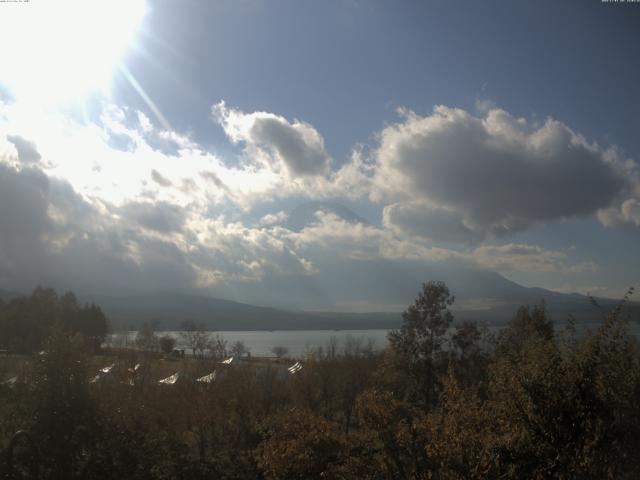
61, 51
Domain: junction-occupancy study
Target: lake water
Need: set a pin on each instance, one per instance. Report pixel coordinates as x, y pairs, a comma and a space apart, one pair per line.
299, 342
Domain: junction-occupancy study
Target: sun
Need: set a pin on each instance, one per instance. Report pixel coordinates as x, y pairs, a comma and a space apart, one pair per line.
61, 51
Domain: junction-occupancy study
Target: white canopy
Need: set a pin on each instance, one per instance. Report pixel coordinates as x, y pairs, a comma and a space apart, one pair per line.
207, 378
296, 367
170, 380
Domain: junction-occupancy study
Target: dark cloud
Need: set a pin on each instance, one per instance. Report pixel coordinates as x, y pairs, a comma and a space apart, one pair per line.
296, 145
52, 235
436, 224
27, 151
23, 216
161, 216
215, 179
159, 179
301, 156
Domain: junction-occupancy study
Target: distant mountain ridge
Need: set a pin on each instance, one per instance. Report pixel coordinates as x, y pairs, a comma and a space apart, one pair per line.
6, 295
217, 314
493, 302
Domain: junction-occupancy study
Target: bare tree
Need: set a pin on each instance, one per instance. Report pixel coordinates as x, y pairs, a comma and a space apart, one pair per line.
239, 349
194, 336
217, 347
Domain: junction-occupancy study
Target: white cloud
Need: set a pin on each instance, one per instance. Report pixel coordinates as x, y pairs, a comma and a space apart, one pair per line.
271, 219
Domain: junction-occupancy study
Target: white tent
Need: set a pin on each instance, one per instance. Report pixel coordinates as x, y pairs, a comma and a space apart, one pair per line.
102, 374
108, 368
296, 367
207, 378
135, 369
171, 380
11, 382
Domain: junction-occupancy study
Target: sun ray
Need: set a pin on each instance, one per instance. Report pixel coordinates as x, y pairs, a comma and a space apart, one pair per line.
147, 99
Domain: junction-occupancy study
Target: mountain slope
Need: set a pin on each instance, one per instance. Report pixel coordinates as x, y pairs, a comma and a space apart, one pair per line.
216, 314
305, 214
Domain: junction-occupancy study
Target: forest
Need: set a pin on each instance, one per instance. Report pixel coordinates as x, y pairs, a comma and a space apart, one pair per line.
444, 400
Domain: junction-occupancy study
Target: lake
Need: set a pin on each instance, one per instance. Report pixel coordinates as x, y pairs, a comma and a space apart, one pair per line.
299, 342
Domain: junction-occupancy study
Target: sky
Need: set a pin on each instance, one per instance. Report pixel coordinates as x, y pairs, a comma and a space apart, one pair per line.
318, 155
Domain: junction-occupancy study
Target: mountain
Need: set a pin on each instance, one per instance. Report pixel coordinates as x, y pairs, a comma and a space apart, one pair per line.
6, 295
305, 214
480, 296
169, 310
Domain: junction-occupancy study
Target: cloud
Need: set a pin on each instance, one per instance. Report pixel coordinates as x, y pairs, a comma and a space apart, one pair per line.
53, 235
452, 176
631, 211
161, 216
160, 179
23, 205
597, 290
335, 236
514, 257
271, 219
183, 218
422, 220
27, 151
627, 212
62, 238
295, 146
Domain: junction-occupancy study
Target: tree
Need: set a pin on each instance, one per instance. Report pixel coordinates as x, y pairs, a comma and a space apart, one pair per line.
396, 434
419, 341
167, 344
298, 445
217, 347
26, 321
470, 351
526, 324
63, 406
279, 351
147, 338
194, 336
239, 349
